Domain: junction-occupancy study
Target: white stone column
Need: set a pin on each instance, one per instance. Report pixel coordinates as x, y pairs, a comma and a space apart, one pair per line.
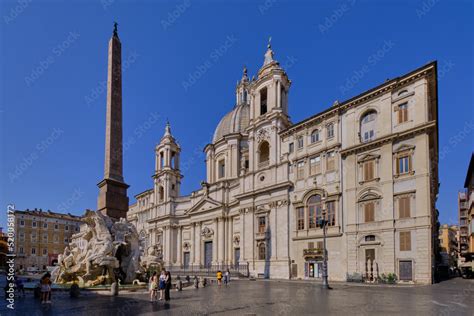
194, 244
278, 94
272, 223
199, 258
179, 246
215, 242
220, 257
169, 245
230, 239
242, 236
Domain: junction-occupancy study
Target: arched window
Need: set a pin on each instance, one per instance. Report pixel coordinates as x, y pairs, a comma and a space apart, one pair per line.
315, 211
369, 238
263, 101
402, 92
221, 168
262, 251
314, 136
367, 126
264, 154
161, 193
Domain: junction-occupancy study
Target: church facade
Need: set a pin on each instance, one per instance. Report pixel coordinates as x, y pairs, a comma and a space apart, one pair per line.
366, 165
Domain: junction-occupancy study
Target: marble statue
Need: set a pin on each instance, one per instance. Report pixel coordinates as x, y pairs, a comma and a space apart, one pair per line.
110, 252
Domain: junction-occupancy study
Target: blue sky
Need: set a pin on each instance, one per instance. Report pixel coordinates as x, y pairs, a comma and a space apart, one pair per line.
182, 60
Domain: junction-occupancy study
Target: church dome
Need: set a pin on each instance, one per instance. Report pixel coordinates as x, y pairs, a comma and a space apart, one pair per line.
236, 121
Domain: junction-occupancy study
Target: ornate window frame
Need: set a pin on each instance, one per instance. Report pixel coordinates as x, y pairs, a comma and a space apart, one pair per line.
369, 195
360, 167
404, 150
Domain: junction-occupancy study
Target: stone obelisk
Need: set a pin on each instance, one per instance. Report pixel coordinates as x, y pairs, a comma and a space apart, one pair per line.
113, 199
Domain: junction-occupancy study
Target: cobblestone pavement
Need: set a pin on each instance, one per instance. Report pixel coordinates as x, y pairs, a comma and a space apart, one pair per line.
453, 297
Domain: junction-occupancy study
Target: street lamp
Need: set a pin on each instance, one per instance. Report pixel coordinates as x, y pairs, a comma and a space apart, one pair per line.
323, 222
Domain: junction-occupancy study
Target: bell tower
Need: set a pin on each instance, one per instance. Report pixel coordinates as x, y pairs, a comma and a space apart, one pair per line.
270, 90
167, 177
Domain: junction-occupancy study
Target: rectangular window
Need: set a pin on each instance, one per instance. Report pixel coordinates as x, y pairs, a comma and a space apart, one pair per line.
300, 218
56, 226
331, 213
314, 136
221, 171
33, 251
33, 237
368, 170
369, 212
404, 207
21, 250
403, 164
315, 165
22, 236
33, 224
45, 225
300, 142
320, 245
56, 238
330, 130
22, 222
261, 224
402, 113
45, 237
66, 227
45, 251
263, 101
262, 249
300, 170
291, 147
405, 241
331, 161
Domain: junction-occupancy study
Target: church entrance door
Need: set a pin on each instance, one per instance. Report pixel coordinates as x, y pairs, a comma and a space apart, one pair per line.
208, 254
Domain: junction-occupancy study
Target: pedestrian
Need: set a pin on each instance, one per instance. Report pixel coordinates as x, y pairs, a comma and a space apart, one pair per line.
219, 278
196, 282
45, 288
227, 277
167, 286
162, 283
153, 285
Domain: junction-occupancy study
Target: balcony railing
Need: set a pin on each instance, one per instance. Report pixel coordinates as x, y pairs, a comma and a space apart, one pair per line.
263, 164
463, 205
239, 269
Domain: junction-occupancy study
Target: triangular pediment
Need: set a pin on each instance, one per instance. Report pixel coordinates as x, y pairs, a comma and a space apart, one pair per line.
368, 157
205, 204
404, 147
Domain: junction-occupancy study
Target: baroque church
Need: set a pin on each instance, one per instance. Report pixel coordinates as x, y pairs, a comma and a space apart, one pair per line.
366, 165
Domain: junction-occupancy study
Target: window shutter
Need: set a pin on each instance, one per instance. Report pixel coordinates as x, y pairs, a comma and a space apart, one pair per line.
310, 245
407, 207
408, 240
400, 115
371, 169
409, 163
404, 207
369, 212
320, 245
401, 207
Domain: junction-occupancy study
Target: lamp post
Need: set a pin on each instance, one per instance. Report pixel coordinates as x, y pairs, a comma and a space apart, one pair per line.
324, 224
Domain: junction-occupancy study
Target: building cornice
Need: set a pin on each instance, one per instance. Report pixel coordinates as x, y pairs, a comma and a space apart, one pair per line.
424, 128
368, 95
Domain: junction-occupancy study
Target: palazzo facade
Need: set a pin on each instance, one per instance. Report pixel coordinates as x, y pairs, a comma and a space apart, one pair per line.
367, 165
